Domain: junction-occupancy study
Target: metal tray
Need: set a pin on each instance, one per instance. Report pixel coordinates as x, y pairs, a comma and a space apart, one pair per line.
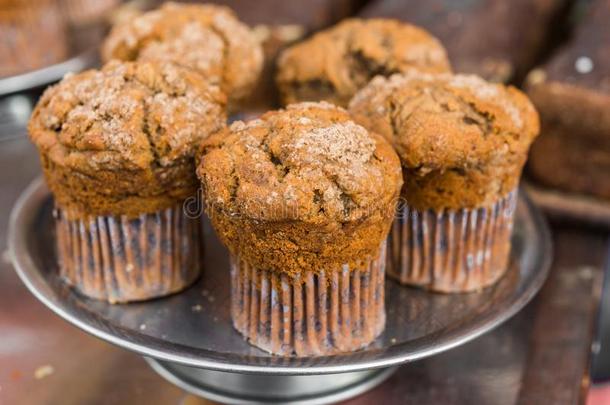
49, 74
189, 339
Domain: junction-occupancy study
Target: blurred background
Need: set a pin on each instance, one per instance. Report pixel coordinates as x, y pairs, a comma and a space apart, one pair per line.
558, 51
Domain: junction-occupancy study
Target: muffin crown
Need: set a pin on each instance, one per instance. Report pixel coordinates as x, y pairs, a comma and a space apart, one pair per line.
337, 62
208, 38
127, 130
447, 122
462, 141
307, 163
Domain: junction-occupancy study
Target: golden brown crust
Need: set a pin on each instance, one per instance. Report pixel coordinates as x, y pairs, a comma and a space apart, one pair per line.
335, 63
300, 189
208, 38
122, 140
462, 141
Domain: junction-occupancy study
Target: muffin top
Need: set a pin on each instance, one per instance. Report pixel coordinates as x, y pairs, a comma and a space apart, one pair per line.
302, 189
208, 38
447, 122
307, 163
131, 120
335, 63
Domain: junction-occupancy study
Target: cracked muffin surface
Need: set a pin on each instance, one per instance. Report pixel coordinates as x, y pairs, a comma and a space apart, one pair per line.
121, 140
337, 62
462, 141
208, 38
300, 189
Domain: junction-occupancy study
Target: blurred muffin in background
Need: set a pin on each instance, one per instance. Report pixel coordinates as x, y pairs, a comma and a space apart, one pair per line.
462, 142
117, 150
32, 35
207, 38
303, 198
334, 64
498, 40
80, 12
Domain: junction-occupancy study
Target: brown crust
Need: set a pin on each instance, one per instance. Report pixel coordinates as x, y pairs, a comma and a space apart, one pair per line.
558, 160
207, 38
300, 189
121, 140
572, 93
335, 63
462, 141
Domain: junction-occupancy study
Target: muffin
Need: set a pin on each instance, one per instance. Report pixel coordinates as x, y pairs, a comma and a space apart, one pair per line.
33, 35
207, 38
303, 198
462, 143
337, 62
117, 150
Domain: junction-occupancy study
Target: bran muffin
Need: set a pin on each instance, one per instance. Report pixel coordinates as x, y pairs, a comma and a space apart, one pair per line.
462, 143
33, 35
337, 62
117, 150
303, 198
207, 38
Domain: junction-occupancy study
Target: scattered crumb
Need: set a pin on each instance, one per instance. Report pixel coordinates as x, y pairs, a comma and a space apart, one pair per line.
43, 371
211, 298
393, 340
205, 293
196, 308
129, 268
143, 326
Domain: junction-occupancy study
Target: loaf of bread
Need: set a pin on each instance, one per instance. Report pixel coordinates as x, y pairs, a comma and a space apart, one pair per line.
572, 94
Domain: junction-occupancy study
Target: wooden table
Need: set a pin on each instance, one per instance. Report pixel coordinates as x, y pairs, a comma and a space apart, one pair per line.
542, 355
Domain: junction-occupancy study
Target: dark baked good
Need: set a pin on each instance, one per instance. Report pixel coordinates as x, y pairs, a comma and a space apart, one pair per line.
79, 12
303, 198
117, 149
33, 35
335, 63
495, 39
312, 15
207, 38
462, 144
572, 93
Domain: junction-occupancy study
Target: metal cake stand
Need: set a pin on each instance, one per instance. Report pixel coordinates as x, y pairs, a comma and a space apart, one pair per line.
48, 74
188, 338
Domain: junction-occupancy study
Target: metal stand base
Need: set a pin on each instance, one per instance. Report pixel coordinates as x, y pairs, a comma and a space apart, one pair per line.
238, 388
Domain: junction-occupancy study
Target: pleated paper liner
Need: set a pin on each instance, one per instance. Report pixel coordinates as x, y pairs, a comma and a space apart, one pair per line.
452, 251
119, 259
322, 313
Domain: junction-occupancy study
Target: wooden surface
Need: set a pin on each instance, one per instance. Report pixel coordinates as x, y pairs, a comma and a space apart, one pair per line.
540, 356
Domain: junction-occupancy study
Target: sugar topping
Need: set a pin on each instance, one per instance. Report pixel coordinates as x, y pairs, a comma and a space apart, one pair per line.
127, 108
481, 89
346, 143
